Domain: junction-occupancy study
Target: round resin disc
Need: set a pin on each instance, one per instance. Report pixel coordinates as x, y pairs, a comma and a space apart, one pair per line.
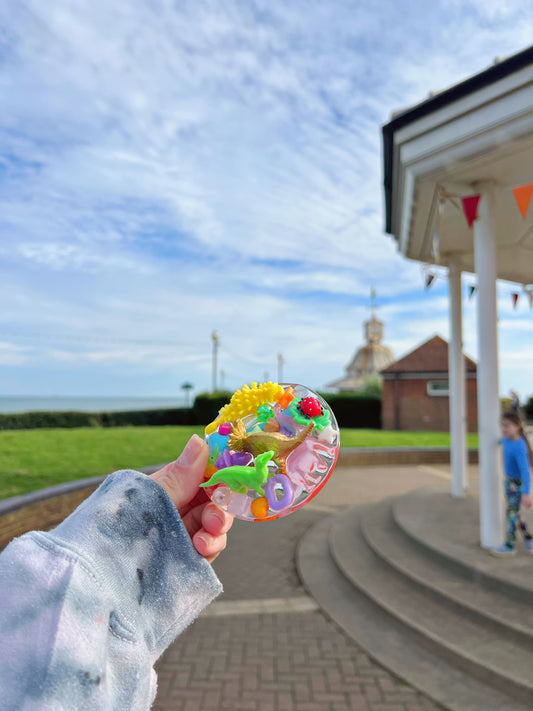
272, 448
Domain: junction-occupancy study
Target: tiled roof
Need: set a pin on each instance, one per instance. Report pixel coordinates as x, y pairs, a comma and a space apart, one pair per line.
430, 357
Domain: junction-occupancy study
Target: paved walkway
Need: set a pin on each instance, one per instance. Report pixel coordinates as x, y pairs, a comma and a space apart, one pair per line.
264, 645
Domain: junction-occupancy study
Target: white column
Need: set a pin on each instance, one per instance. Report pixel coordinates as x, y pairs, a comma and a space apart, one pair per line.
456, 370
490, 469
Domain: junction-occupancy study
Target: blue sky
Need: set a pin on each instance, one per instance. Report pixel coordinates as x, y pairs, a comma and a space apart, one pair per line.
168, 168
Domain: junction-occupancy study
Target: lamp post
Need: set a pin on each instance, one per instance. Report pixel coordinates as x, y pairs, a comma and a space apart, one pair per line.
281, 361
215, 338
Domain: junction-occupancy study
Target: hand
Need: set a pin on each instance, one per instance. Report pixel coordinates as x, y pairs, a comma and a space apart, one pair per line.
526, 501
205, 522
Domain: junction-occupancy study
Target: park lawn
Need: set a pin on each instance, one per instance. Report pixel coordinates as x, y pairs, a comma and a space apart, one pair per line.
35, 459
386, 438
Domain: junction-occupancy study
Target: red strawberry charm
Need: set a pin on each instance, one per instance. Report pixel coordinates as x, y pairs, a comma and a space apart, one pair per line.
310, 407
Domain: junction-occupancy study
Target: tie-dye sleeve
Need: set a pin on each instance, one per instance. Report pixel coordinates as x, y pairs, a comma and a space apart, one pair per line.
86, 609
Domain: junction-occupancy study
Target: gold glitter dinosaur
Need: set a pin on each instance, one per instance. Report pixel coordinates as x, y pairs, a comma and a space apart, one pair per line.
245, 402
259, 442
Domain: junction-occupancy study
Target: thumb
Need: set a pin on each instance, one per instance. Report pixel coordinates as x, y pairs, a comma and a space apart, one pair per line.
182, 478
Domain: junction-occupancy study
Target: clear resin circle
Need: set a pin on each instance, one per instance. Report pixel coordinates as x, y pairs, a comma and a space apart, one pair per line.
271, 449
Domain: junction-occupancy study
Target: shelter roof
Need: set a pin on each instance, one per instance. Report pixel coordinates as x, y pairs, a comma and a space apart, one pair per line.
475, 138
499, 70
429, 357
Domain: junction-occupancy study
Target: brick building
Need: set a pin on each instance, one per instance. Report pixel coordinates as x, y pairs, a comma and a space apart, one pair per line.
415, 390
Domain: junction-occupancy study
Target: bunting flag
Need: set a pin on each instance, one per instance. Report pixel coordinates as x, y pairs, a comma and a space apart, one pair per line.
515, 297
470, 203
471, 292
429, 280
530, 295
522, 195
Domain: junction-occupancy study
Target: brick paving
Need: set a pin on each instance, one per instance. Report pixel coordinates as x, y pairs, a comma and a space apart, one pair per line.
297, 661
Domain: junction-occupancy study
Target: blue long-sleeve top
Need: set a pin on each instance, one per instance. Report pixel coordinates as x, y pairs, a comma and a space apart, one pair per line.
86, 609
516, 461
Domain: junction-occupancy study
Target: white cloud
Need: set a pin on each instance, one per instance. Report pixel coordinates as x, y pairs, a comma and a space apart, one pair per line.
205, 165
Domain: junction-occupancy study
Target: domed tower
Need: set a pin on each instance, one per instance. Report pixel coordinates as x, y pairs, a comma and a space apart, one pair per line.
368, 360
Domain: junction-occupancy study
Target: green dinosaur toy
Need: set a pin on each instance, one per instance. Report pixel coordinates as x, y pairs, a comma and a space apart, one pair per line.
239, 479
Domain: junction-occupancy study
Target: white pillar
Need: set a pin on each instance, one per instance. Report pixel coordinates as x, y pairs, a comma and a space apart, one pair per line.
456, 371
490, 469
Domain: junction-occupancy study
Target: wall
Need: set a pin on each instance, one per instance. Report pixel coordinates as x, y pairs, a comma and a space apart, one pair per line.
407, 406
398, 456
42, 509
46, 508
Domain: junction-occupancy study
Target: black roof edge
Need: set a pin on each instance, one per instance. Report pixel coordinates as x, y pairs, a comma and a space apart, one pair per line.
458, 91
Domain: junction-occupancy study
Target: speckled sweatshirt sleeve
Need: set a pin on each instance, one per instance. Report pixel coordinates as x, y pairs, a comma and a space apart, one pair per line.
86, 609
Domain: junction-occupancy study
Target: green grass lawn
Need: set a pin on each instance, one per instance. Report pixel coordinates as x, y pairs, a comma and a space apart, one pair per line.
34, 459
384, 438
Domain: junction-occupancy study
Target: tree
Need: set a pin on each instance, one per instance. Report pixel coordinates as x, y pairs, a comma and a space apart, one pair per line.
187, 387
372, 386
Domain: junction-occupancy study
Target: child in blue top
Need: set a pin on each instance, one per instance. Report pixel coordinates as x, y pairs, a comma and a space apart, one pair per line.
516, 461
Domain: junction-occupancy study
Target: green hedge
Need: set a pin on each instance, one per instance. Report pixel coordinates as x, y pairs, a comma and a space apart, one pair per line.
148, 418
354, 411
350, 411
207, 405
35, 420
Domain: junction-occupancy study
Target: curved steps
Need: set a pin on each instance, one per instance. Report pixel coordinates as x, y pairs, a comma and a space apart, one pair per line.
424, 516
505, 615
466, 645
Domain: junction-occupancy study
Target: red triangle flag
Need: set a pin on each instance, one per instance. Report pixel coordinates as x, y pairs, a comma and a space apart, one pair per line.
514, 297
470, 204
522, 195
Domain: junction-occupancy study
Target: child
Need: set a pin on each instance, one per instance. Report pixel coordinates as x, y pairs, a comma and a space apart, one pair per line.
516, 460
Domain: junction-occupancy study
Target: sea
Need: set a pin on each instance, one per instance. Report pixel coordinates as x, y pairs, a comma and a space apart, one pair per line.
10, 404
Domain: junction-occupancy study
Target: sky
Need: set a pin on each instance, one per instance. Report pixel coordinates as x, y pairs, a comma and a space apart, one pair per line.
171, 168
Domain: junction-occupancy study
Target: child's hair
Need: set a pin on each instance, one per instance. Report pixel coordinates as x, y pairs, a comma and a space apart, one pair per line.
515, 419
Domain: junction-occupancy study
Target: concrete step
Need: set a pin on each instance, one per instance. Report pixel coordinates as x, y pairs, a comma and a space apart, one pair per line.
448, 530
449, 587
463, 642
383, 636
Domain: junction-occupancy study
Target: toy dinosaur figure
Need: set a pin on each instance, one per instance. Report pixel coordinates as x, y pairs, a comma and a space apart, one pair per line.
258, 442
239, 479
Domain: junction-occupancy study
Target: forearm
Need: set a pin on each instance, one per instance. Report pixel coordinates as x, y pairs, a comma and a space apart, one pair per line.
88, 607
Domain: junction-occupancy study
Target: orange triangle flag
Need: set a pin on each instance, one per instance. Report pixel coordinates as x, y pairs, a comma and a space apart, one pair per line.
522, 195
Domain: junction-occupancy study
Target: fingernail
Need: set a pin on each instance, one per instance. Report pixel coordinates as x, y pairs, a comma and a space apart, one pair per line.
192, 451
201, 538
217, 517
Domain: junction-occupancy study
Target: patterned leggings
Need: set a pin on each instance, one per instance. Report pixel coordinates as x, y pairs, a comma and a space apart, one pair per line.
513, 494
